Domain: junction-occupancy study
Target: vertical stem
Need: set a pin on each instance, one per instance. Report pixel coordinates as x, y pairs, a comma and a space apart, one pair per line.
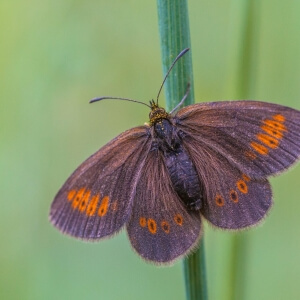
195, 274
174, 37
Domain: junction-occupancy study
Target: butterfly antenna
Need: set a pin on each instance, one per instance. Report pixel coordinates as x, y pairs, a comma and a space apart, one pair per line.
117, 98
174, 62
188, 88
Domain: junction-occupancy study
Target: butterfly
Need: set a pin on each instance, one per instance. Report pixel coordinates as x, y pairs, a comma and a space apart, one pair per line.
204, 161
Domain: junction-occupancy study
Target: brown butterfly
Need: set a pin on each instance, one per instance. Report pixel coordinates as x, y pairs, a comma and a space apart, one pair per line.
208, 160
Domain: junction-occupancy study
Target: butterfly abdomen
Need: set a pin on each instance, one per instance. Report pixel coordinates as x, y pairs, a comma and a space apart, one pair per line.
184, 177
180, 167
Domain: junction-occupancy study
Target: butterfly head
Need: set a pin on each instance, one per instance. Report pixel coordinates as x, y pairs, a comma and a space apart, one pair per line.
157, 113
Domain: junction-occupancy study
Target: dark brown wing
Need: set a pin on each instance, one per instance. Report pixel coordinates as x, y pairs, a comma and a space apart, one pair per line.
96, 200
232, 200
258, 138
161, 229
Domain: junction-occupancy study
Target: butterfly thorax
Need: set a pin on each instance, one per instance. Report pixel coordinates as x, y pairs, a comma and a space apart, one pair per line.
166, 135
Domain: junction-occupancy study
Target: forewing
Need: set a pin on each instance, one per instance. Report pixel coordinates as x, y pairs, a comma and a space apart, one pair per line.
259, 138
161, 229
97, 198
232, 200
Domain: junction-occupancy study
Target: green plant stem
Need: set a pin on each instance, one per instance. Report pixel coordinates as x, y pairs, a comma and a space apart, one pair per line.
195, 274
174, 37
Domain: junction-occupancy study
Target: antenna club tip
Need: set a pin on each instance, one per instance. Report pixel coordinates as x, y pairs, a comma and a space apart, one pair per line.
183, 52
97, 99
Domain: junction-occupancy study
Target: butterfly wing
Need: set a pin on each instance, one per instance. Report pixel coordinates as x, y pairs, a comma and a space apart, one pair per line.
259, 138
235, 146
232, 199
160, 228
97, 198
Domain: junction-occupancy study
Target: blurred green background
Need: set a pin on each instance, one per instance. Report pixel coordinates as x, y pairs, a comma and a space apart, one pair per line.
54, 57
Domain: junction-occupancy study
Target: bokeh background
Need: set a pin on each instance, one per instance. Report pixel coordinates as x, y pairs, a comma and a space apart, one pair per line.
54, 57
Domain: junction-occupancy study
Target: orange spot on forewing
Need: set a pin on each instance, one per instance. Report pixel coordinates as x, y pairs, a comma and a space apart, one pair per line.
91, 209
279, 118
84, 201
114, 205
275, 124
103, 206
270, 141
259, 148
71, 194
152, 227
77, 198
250, 155
272, 132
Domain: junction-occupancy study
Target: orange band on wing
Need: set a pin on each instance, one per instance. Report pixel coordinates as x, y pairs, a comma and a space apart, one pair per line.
84, 201
103, 206
78, 197
259, 148
270, 141
91, 209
